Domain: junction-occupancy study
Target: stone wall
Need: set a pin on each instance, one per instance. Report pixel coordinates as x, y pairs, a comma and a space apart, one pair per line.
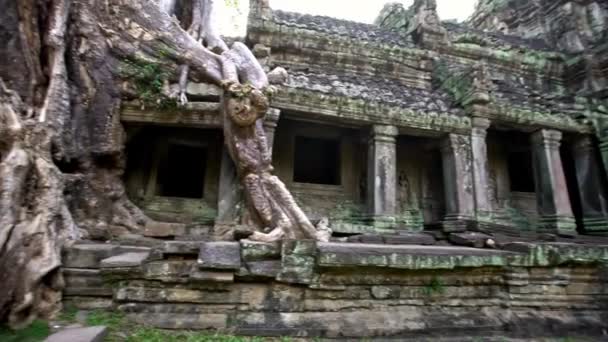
346, 290
148, 154
323, 200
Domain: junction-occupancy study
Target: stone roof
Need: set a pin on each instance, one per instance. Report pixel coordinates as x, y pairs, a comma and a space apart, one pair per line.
351, 29
374, 89
504, 41
517, 93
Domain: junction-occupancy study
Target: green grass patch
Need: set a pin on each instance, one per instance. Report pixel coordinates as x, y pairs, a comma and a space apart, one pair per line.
36, 332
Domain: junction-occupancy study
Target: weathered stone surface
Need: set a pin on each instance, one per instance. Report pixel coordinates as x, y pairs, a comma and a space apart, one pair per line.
254, 250
87, 255
469, 239
407, 257
124, 260
88, 334
181, 247
220, 255
85, 282
266, 268
211, 276
409, 239
164, 229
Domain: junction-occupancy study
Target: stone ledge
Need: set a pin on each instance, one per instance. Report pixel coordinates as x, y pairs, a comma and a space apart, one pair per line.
407, 257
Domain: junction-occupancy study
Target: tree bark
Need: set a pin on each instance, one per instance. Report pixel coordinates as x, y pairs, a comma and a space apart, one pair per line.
62, 145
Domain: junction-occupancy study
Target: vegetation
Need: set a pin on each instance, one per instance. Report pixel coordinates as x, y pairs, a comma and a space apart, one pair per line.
36, 332
435, 286
148, 79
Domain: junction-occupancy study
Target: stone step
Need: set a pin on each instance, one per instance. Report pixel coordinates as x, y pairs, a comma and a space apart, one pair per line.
89, 334
471, 239
131, 259
407, 256
89, 255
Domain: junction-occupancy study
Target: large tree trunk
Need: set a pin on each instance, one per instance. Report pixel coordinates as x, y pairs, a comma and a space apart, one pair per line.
61, 142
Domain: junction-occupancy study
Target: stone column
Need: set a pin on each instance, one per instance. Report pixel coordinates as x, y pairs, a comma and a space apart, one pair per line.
458, 182
604, 151
591, 185
270, 124
229, 192
551, 188
481, 174
230, 195
382, 175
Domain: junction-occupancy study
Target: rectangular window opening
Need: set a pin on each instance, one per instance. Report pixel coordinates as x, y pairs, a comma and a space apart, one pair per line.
182, 172
521, 174
316, 161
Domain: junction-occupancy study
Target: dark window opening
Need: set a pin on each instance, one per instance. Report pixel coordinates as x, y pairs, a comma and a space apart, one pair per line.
521, 174
182, 172
316, 161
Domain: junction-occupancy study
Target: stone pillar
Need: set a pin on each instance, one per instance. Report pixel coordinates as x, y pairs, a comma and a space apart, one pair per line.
230, 195
551, 188
481, 173
229, 192
591, 185
604, 152
458, 182
270, 124
382, 175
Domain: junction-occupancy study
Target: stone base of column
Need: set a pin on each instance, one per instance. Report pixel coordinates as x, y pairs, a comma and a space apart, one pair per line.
595, 224
457, 223
563, 225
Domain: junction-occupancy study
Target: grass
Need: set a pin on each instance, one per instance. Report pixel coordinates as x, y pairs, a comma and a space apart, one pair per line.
36, 332
122, 330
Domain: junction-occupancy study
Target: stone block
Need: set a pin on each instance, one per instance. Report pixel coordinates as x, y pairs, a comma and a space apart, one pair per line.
370, 238
220, 255
164, 229
87, 255
211, 276
89, 334
181, 320
298, 247
254, 250
124, 260
181, 247
85, 282
469, 239
296, 269
88, 302
409, 239
266, 268
138, 240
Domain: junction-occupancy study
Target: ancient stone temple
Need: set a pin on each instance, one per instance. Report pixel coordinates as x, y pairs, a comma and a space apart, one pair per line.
460, 166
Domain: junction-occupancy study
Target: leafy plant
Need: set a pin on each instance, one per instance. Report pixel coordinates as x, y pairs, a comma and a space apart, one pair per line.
435, 286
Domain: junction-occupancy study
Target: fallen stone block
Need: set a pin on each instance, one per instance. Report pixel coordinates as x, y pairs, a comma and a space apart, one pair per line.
220, 255
469, 239
89, 334
87, 255
124, 260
